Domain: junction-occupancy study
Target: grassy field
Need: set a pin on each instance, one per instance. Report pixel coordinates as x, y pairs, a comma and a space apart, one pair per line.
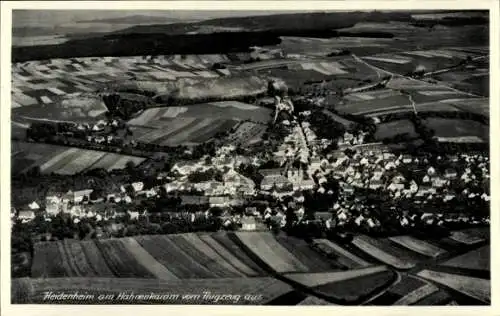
466, 238
474, 287
479, 105
478, 259
454, 128
156, 262
202, 88
318, 279
344, 257
271, 252
174, 257
418, 246
406, 285
321, 47
408, 61
375, 105
64, 160
391, 129
384, 252
199, 123
303, 251
77, 108
179, 256
357, 288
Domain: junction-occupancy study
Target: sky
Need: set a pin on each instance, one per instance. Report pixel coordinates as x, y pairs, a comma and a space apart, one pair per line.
51, 18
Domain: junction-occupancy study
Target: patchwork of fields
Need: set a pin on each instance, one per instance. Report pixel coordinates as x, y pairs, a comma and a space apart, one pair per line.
427, 60
42, 82
198, 123
77, 107
320, 47
344, 72
367, 271
64, 160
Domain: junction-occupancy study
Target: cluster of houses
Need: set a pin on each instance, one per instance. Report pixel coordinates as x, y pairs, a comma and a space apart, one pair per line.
350, 139
79, 203
368, 168
284, 105
356, 212
232, 186
100, 139
299, 144
99, 126
371, 170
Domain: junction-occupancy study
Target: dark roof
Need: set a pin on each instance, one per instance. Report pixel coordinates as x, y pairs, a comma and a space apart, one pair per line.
274, 171
323, 215
194, 199
270, 180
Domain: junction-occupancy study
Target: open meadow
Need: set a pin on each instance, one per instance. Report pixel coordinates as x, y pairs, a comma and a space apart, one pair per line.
64, 160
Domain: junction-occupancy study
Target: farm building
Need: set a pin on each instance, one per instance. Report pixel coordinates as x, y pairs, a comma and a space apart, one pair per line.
34, 206
248, 223
137, 186
185, 168
346, 188
450, 173
271, 172
26, 216
52, 205
375, 184
79, 196
194, 200
219, 201
274, 181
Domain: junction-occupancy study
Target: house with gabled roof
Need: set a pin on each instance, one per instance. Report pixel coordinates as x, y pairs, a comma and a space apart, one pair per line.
78, 196
185, 167
218, 201
34, 206
271, 181
450, 173
26, 216
248, 223
53, 205
272, 172
376, 184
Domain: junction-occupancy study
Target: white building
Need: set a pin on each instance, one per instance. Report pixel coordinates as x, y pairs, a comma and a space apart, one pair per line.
248, 223
26, 216
78, 196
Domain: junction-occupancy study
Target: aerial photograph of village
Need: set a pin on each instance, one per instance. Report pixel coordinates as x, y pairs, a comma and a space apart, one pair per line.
250, 157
